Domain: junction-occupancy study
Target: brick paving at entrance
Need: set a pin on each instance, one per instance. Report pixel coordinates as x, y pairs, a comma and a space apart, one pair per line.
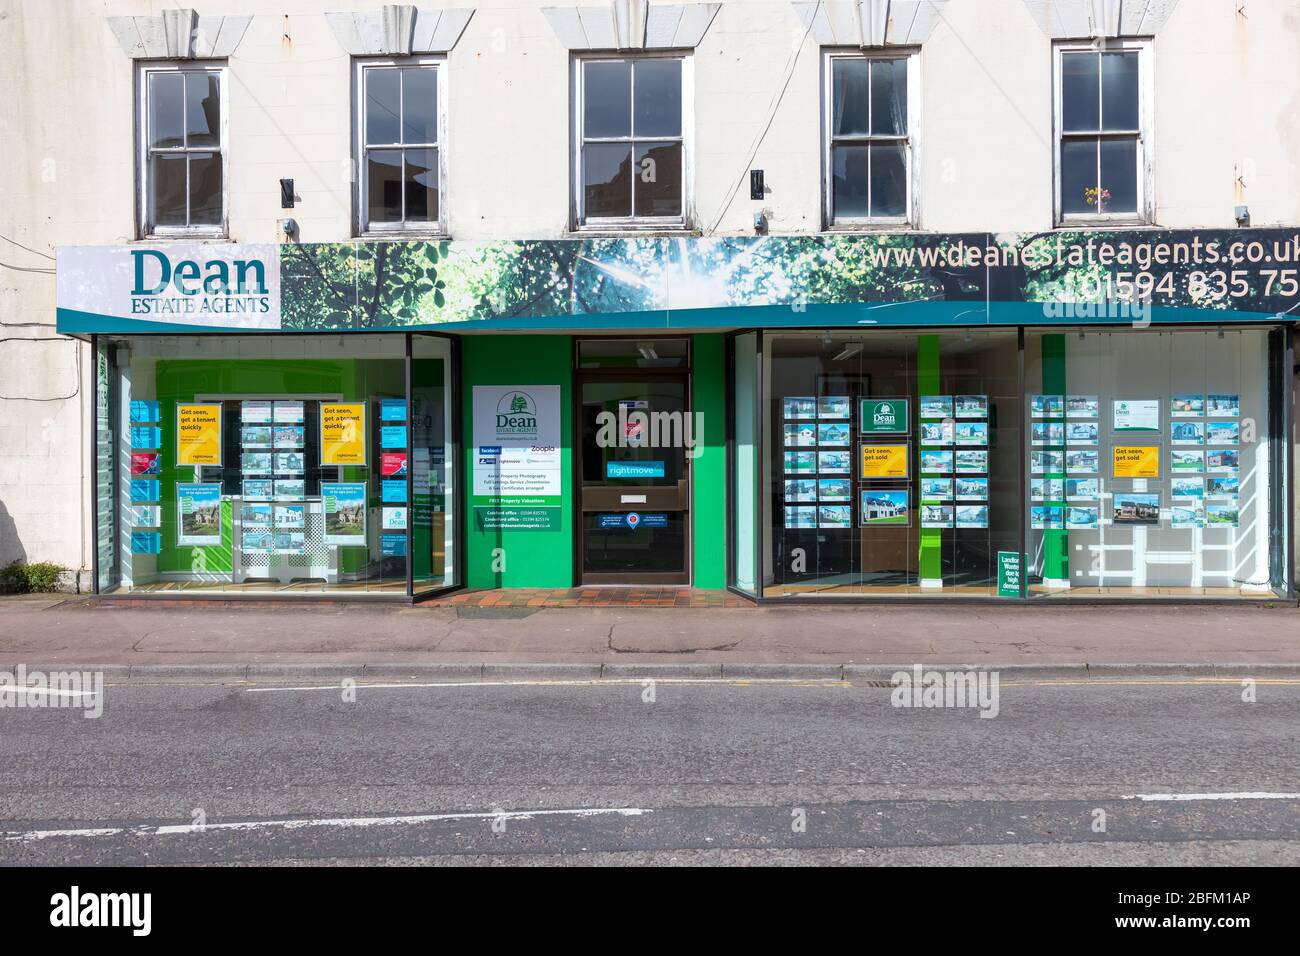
592, 597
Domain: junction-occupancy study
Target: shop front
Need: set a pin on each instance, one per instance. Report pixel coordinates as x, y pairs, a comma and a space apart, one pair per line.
801, 419
275, 464
1131, 463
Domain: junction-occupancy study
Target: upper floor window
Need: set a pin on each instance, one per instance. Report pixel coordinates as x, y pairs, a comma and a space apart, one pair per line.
869, 146
182, 161
1102, 127
631, 162
400, 133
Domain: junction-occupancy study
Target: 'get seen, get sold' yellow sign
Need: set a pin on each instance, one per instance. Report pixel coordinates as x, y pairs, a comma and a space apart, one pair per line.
884, 461
1137, 461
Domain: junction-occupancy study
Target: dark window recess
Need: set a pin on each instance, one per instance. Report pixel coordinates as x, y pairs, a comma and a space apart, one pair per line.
230, 474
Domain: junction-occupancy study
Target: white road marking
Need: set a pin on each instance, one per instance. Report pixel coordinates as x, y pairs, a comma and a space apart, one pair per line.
52, 691
24, 836
1245, 795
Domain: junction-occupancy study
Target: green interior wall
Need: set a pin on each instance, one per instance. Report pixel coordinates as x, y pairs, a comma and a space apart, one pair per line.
534, 559
709, 470
1056, 545
930, 558
180, 380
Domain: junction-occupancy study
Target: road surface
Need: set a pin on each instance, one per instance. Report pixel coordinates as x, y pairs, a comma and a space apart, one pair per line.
1158, 772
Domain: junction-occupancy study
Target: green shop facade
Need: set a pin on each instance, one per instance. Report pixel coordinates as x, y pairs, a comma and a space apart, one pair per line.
1089, 416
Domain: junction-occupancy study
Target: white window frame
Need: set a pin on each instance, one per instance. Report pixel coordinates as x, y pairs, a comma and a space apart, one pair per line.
361, 213
146, 226
1144, 213
911, 218
581, 223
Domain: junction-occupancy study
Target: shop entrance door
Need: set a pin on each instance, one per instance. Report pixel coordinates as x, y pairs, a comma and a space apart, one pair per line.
634, 497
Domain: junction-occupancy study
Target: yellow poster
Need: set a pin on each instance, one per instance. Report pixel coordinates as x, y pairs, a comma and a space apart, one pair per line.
1137, 461
884, 461
343, 433
198, 434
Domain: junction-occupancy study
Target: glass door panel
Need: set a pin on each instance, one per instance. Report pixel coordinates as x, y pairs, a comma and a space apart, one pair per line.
635, 479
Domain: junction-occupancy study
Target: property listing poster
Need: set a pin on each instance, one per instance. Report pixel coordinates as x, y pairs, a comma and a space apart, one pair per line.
517, 477
344, 505
198, 513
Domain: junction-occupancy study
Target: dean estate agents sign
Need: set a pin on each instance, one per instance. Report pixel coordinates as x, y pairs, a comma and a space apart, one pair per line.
880, 279
518, 479
200, 286
884, 416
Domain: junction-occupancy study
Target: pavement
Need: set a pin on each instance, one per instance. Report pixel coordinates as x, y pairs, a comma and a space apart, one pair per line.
1106, 772
239, 641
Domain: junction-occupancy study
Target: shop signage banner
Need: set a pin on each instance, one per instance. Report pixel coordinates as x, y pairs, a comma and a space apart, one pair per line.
884, 416
198, 514
344, 504
198, 434
343, 433
217, 286
1119, 277
517, 467
1137, 461
884, 461
1009, 565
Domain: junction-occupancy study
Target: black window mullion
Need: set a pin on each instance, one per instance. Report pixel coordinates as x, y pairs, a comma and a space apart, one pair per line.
185, 143
1101, 104
871, 130
401, 186
401, 183
631, 129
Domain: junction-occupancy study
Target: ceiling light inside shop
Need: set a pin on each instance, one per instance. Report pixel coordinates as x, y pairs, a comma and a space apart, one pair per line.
850, 350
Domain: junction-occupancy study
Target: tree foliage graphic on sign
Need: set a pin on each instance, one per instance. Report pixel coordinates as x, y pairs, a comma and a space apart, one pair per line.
364, 285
